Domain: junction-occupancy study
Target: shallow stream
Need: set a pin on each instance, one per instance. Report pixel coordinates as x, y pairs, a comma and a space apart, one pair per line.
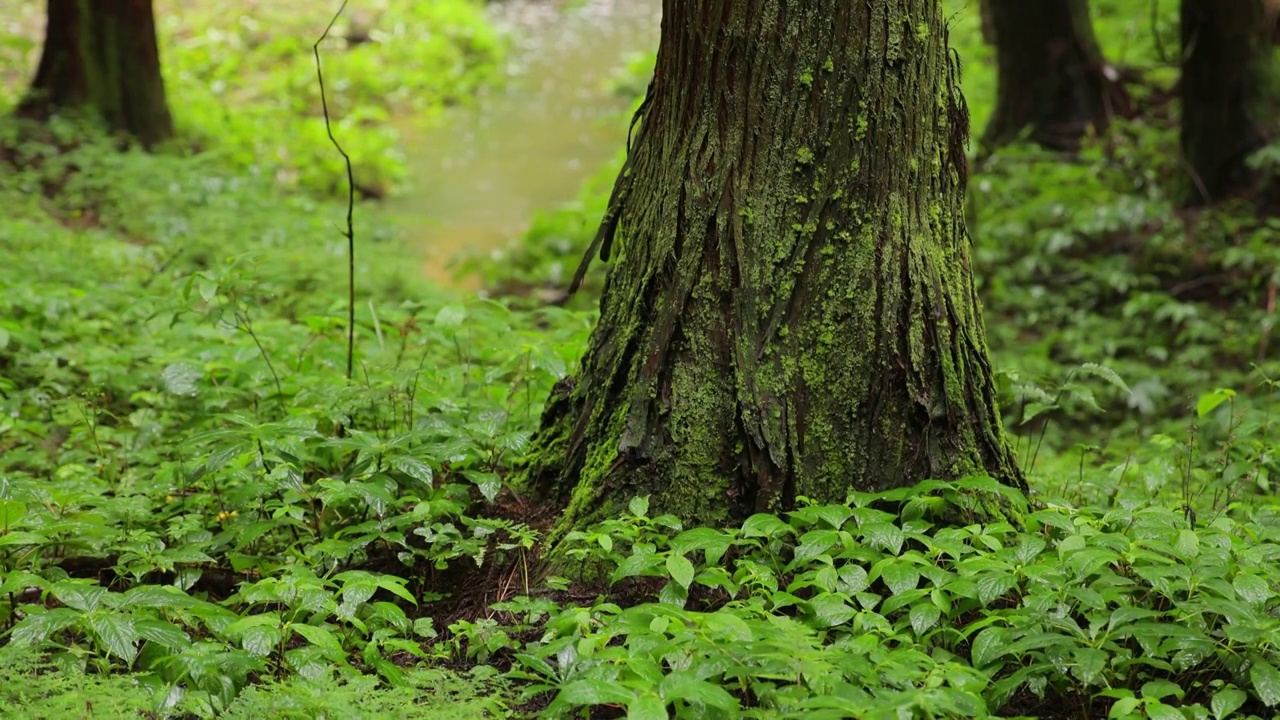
478, 177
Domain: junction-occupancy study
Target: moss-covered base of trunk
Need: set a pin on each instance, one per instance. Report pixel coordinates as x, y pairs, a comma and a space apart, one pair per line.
792, 312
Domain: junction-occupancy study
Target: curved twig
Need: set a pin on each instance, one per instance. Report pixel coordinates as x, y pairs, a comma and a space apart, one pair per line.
349, 233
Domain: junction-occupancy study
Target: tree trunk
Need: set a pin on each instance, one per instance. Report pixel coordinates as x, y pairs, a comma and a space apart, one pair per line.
1052, 79
1225, 54
792, 313
988, 22
102, 55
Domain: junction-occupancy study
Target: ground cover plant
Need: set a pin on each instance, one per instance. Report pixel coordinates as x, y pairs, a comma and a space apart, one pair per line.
203, 514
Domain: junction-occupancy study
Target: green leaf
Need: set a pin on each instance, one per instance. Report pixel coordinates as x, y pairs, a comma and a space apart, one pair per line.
1107, 374
451, 317
78, 594
22, 538
1070, 544
1029, 547
396, 586
155, 596
988, 646
1160, 711
1227, 700
1211, 400
831, 609
488, 483
853, 579
593, 691
636, 563
647, 707
182, 379
886, 536
639, 506
1187, 545
258, 634
1090, 663
21, 580
11, 511
765, 526
605, 542
713, 542
414, 468
993, 586
35, 628
680, 569
162, 632
1252, 588
900, 576
260, 640
924, 616
326, 641
1266, 681
116, 633
1161, 689
424, 627
673, 594
1124, 707
688, 687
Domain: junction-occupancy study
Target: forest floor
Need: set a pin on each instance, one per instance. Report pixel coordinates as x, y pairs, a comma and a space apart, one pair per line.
183, 533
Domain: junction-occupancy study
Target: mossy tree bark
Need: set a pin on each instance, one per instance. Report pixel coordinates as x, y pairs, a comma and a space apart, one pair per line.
1226, 60
792, 312
1052, 79
102, 55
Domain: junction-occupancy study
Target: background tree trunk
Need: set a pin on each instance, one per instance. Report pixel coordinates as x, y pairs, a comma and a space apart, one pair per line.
1051, 74
102, 55
988, 22
793, 311
1226, 52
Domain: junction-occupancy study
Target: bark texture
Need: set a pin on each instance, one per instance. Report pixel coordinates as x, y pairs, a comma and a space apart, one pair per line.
1052, 78
1226, 59
102, 55
792, 311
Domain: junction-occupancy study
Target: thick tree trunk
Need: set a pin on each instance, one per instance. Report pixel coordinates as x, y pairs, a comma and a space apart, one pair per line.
1226, 53
793, 312
1052, 79
102, 55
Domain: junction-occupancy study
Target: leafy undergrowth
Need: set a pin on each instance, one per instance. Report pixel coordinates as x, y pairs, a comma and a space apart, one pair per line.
232, 69
37, 690
875, 609
189, 487
200, 515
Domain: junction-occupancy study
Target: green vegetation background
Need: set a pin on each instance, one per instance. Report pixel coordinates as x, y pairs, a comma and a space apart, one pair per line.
171, 373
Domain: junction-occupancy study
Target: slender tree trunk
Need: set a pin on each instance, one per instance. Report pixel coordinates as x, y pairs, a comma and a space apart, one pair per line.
793, 312
1226, 57
102, 55
1053, 80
